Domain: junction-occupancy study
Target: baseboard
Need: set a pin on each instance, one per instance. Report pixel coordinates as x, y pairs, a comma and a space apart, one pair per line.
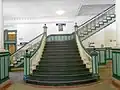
116, 82
16, 69
5, 85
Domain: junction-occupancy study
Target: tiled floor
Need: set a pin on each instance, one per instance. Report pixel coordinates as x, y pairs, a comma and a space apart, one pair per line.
103, 84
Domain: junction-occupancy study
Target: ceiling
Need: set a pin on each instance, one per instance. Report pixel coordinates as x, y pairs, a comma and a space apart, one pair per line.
92, 9
48, 8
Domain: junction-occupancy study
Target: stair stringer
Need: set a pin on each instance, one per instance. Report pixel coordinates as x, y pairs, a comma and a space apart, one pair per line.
87, 59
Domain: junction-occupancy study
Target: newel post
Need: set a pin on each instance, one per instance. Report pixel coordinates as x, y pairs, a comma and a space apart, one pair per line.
27, 57
45, 29
94, 56
76, 27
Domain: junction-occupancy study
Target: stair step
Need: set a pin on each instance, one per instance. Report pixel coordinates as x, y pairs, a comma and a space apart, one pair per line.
61, 68
93, 28
101, 23
59, 72
55, 54
105, 20
61, 61
60, 48
112, 16
44, 69
65, 50
108, 18
60, 57
61, 77
61, 83
97, 25
60, 64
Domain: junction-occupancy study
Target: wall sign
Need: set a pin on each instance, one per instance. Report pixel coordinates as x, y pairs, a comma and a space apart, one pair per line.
60, 26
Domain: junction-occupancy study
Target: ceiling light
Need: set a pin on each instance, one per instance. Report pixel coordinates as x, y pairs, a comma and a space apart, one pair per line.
60, 12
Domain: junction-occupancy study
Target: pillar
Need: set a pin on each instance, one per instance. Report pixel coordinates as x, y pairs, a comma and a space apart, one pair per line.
1, 26
118, 23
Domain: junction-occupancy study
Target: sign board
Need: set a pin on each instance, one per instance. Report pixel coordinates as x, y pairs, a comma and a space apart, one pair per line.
60, 26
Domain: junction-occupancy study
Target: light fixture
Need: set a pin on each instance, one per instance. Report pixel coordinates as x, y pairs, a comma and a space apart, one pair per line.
60, 12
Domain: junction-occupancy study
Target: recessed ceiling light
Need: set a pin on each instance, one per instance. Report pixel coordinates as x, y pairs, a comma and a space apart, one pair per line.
60, 12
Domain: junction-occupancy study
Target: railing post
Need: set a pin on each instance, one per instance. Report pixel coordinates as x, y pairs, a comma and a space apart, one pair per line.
26, 64
45, 29
76, 27
94, 56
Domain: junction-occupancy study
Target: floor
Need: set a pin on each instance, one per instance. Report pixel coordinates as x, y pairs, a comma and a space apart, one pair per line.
103, 84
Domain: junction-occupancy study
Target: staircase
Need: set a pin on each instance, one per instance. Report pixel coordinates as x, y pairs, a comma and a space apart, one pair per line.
64, 60
84, 31
61, 65
97, 23
17, 58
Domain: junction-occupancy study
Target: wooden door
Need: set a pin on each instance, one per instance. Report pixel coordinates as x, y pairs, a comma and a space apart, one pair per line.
11, 36
11, 48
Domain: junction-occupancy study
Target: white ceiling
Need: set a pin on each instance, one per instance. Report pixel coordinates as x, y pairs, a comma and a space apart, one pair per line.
92, 9
46, 8
41, 8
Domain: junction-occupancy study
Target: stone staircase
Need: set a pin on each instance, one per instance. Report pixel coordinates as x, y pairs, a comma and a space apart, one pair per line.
61, 65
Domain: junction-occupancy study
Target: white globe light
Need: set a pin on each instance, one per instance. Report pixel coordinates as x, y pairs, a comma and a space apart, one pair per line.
60, 12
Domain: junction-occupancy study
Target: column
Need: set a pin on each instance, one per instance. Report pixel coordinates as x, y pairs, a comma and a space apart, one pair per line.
118, 23
1, 26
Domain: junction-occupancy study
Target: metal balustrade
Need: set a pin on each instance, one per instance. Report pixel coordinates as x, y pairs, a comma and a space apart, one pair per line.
60, 37
116, 63
101, 54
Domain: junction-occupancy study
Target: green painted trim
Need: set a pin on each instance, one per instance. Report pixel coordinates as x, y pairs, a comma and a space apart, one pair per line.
116, 76
4, 79
102, 64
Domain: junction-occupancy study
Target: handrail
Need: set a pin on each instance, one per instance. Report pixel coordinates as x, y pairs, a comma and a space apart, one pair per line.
27, 43
96, 15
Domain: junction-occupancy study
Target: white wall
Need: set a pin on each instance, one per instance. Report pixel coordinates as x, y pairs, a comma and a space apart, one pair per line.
26, 32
